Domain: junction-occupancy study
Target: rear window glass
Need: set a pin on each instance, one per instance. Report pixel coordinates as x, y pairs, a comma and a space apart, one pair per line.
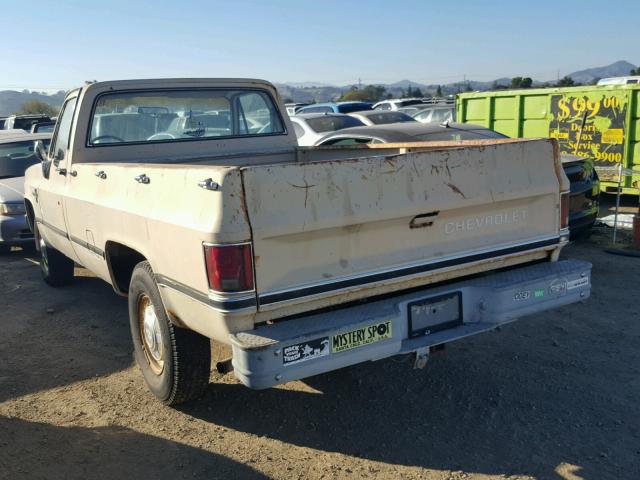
16, 157
26, 123
332, 123
182, 115
324, 109
389, 117
355, 107
406, 103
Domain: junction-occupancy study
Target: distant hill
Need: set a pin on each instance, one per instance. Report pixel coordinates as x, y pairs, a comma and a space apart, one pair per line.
11, 101
617, 69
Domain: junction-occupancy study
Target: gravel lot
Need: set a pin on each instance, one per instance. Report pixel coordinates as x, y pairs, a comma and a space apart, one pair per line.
554, 396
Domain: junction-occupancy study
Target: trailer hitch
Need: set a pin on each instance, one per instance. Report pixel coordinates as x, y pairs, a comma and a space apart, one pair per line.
421, 358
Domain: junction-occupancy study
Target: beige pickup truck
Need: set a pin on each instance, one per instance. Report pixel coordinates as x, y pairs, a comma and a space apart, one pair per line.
192, 198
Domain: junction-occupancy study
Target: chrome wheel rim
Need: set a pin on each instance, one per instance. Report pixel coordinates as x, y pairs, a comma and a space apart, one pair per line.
43, 255
150, 334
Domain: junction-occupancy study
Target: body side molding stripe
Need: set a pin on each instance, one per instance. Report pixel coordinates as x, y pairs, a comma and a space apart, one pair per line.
76, 240
227, 304
269, 298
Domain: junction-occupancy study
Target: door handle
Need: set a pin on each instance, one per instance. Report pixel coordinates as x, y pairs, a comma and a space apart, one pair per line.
63, 171
101, 174
209, 184
142, 179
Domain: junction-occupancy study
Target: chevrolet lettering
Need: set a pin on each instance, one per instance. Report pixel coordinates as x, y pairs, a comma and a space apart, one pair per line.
486, 221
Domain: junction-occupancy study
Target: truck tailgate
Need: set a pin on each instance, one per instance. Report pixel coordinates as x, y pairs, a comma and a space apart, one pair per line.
320, 228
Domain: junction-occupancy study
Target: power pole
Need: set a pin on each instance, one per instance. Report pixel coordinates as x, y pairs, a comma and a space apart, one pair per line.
359, 83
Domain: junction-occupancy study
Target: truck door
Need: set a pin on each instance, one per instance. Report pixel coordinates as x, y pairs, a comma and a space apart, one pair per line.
51, 192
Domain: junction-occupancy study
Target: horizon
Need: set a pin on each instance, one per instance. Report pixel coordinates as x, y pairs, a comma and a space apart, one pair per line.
286, 42
311, 84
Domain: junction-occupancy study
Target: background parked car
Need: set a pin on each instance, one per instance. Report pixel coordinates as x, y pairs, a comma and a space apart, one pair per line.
408, 132
24, 122
584, 199
379, 117
292, 108
16, 155
339, 107
436, 114
312, 127
397, 103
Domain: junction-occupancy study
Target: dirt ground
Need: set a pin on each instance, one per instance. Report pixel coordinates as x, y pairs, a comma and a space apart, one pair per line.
555, 396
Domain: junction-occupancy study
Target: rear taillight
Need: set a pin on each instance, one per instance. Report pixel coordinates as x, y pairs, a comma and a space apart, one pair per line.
564, 210
229, 267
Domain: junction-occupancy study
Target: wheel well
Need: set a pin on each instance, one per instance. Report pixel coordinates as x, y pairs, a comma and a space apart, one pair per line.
121, 261
31, 216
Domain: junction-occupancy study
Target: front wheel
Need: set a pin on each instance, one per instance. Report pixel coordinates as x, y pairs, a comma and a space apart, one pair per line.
56, 268
175, 362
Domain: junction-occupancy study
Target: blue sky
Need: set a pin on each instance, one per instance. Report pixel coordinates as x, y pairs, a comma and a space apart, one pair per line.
57, 45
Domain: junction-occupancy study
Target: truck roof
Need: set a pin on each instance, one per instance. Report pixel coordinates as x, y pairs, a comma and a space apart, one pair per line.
172, 82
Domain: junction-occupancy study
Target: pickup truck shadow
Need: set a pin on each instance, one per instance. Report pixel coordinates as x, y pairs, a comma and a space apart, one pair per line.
473, 409
33, 450
53, 333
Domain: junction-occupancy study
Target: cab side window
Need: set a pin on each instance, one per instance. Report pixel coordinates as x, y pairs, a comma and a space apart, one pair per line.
60, 145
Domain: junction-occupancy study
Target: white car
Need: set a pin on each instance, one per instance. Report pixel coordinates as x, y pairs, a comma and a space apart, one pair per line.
436, 114
396, 103
311, 127
628, 80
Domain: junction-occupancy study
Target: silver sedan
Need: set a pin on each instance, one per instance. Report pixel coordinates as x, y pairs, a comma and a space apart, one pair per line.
311, 127
16, 155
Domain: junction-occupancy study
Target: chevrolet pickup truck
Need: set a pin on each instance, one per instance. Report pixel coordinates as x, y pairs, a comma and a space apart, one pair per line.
192, 198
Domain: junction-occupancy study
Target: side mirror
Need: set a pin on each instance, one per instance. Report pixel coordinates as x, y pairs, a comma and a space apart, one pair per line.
40, 152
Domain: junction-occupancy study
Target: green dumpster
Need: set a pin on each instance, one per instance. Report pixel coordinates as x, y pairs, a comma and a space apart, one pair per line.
602, 122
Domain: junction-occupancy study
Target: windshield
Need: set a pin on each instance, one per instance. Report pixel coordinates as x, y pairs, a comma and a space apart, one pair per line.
178, 115
16, 157
330, 123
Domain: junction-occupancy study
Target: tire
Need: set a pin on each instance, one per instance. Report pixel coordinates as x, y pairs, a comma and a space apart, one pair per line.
175, 362
4, 248
29, 247
56, 268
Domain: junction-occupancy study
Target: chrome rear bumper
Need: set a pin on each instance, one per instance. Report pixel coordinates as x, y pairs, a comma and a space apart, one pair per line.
313, 344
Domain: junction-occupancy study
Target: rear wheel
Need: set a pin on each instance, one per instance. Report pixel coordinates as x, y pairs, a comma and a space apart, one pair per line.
56, 268
175, 362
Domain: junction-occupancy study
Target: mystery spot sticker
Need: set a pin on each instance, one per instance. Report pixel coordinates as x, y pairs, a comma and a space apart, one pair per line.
301, 352
361, 337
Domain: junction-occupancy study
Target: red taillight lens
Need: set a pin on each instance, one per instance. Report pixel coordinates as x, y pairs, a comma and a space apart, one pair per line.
229, 267
564, 210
